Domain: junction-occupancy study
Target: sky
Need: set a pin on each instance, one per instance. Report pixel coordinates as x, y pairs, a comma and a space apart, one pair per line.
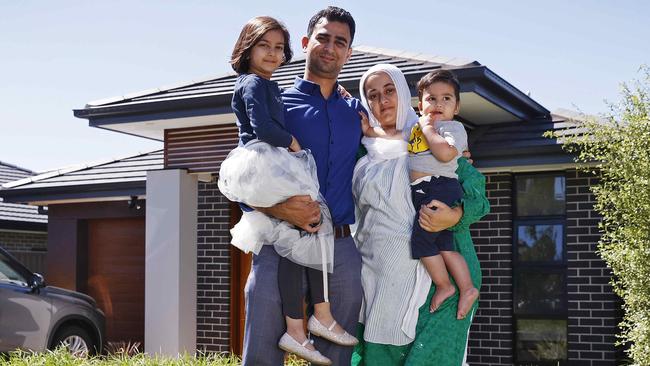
55, 56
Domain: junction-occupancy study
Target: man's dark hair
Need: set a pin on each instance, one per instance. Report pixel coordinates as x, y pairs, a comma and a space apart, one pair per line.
439, 76
333, 14
252, 32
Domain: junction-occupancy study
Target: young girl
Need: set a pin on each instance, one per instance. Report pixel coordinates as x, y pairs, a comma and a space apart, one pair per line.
261, 48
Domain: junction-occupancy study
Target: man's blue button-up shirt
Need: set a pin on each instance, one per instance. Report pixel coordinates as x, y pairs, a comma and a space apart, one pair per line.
331, 129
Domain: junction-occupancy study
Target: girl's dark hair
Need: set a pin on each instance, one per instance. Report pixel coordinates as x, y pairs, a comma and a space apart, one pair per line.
333, 14
252, 32
439, 75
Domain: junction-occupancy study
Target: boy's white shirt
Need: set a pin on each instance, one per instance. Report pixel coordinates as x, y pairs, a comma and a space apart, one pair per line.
425, 162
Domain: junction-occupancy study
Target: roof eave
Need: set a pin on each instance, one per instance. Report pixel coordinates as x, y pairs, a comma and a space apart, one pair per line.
520, 96
473, 78
494, 88
119, 189
522, 156
23, 225
144, 108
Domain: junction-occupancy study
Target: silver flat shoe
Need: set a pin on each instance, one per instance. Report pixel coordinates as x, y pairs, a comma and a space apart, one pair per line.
316, 328
288, 344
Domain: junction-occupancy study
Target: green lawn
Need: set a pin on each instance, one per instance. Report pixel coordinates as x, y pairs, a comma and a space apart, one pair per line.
63, 358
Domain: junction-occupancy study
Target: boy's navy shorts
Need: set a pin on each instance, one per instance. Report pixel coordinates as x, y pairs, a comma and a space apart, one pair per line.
444, 189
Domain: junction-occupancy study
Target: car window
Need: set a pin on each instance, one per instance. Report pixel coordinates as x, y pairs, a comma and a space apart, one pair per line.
8, 274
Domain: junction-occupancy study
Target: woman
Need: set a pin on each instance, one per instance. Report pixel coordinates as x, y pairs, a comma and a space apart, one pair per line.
397, 328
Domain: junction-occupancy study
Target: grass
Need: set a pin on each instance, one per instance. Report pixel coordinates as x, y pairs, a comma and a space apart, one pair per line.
61, 357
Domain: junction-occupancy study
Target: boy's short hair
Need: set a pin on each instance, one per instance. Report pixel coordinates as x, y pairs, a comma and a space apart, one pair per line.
439, 76
252, 32
333, 14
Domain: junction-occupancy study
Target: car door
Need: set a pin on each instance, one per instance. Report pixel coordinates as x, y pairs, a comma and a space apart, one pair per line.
24, 315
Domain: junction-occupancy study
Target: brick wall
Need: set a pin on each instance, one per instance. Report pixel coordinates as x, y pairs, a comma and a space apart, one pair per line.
29, 247
491, 338
594, 310
213, 297
23, 240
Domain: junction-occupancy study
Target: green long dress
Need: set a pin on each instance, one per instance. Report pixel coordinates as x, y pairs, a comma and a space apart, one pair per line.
440, 338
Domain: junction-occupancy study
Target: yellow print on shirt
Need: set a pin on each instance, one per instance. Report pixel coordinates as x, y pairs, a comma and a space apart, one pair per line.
417, 142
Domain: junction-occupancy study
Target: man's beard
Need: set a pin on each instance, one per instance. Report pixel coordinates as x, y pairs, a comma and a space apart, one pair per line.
327, 71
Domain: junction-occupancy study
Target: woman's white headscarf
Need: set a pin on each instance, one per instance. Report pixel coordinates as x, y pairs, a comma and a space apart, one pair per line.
405, 114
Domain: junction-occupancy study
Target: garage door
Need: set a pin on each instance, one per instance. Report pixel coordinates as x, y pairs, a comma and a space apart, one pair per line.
116, 250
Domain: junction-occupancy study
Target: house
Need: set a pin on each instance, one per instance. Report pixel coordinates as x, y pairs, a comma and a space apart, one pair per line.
545, 297
23, 228
96, 234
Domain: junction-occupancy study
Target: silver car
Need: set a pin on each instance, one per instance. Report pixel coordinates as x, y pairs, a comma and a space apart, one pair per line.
37, 317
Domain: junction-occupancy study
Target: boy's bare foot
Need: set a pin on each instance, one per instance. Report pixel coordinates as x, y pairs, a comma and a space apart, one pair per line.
466, 301
442, 294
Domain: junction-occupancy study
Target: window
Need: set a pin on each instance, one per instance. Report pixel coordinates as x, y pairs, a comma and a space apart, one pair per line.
540, 195
539, 292
9, 274
541, 340
540, 242
539, 269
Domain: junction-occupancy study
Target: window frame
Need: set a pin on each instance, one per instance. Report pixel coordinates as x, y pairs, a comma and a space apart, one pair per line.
540, 267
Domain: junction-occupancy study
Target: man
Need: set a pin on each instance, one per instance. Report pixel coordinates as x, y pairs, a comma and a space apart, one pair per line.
329, 125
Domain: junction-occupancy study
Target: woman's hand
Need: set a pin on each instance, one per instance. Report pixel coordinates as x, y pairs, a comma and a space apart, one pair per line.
467, 155
437, 216
375, 132
365, 124
344, 93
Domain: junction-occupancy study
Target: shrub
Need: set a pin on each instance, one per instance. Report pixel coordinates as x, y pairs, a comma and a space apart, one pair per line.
618, 147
